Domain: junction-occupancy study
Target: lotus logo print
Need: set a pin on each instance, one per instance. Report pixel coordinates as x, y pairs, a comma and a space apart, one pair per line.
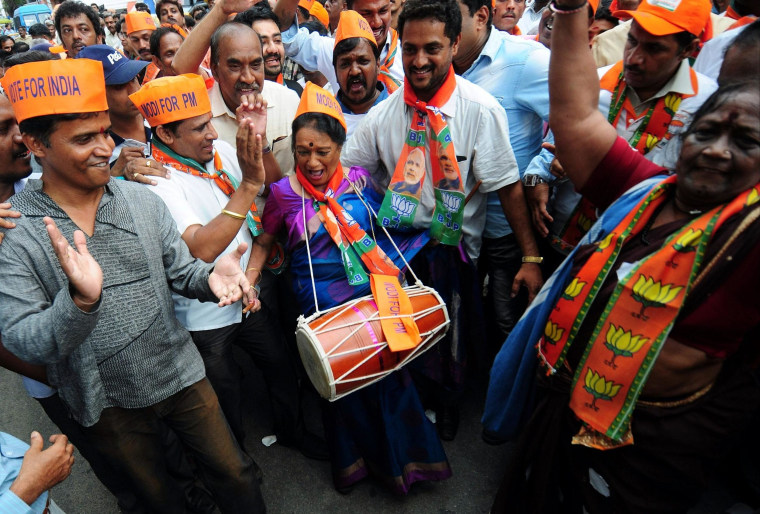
599, 387
753, 197
552, 332
652, 140
573, 289
604, 243
349, 220
451, 202
653, 294
402, 205
622, 343
689, 241
672, 102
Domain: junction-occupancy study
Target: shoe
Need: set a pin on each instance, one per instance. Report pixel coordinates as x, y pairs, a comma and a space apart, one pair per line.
311, 446
447, 422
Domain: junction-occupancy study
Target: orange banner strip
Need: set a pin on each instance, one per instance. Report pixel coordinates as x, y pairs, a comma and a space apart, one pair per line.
395, 311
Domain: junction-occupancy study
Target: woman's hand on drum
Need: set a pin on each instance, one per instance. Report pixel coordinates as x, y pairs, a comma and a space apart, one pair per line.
228, 281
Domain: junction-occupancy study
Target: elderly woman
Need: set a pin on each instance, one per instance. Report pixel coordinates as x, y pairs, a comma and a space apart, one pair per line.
382, 427
647, 333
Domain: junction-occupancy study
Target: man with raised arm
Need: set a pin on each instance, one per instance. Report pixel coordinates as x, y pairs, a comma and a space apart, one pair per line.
237, 65
437, 114
315, 52
642, 345
100, 316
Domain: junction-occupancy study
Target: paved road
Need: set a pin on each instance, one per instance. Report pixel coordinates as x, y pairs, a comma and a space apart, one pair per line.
293, 483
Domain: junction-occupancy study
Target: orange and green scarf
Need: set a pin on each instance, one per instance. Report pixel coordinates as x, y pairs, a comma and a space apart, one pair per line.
354, 243
401, 201
384, 73
226, 182
654, 126
636, 320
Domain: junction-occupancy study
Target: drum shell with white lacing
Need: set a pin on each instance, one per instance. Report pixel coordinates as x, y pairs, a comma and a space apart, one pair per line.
343, 349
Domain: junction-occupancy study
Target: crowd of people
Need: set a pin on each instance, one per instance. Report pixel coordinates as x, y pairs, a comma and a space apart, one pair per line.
577, 180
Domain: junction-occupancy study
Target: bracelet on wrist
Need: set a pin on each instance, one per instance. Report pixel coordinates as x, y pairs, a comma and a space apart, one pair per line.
566, 9
529, 259
233, 215
267, 149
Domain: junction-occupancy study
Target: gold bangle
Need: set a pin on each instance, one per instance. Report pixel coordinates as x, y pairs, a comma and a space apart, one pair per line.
233, 214
252, 269
532, 260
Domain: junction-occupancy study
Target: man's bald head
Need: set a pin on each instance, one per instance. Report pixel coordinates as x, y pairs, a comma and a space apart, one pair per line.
230, 30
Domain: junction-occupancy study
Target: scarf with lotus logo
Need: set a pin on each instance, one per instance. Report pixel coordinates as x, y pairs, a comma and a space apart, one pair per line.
656, 120
226, 182
650, 131
401, 199
636, 320
384, 72
354, 243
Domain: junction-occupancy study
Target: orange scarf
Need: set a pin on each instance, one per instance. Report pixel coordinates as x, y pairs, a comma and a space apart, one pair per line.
350, 238
656, 120
637, 319
402, 198
226, 182
384, 73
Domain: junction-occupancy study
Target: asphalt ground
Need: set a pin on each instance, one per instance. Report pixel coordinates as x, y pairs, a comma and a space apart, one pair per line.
294, 484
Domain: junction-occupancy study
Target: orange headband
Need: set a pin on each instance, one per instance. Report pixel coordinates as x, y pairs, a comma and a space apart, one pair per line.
56, 87
168, 99
353, 24
316, 99
139, 20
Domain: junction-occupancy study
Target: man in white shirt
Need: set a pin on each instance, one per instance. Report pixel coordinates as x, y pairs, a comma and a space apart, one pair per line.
112, 37
237, 65
477, 124
211, 197
315, 53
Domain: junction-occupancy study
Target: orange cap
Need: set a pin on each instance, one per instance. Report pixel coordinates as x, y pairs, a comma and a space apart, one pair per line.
320, 13
168, 99
316, 99
56, 87
594, 5
306, 4
664, 17
139, 20
353, 24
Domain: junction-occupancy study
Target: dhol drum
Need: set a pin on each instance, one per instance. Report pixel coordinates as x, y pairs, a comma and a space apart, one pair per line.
344, 349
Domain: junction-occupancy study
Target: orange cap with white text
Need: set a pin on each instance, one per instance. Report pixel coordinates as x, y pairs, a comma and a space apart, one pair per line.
55, 87
353, 24
664, 17
168, 99
316, 99
139, 20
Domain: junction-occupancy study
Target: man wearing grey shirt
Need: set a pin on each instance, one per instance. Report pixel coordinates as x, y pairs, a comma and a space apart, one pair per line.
100, 316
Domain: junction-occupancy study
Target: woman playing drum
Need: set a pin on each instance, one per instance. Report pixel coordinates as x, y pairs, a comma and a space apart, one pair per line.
383, 426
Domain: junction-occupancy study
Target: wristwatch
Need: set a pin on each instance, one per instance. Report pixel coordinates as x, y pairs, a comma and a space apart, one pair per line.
532, 180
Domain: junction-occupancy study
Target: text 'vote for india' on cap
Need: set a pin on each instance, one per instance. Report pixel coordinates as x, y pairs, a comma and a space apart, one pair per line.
317, 100
353, 24
117, 67
664, 17
139, 20
320, 13
69, 86
167, 99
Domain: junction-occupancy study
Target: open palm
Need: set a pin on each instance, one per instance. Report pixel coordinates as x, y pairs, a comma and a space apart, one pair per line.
83, 272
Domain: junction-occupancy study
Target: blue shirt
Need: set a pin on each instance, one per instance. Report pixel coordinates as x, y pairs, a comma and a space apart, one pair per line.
12, 452
516, 72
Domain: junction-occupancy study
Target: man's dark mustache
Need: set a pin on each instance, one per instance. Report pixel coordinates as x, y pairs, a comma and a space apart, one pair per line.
272, 54
244, 85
